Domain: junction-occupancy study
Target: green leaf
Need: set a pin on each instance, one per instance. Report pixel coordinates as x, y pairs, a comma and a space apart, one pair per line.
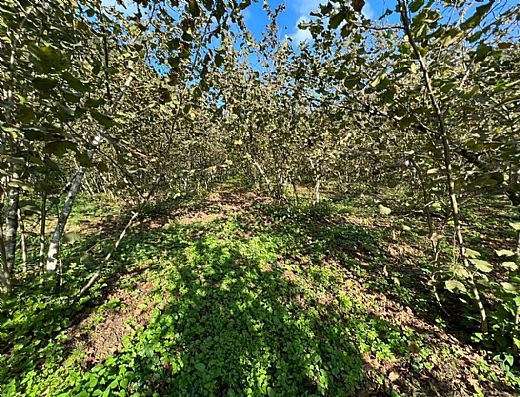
449, 37
194, 8
94, 103
208, 4
351, 81
44, 84
25, 114
510, 265
219, 59
384, 210
84, 159
482, 52
336, 20
75, 83
103, 119
471, 253
200, 366
481, 265
415, 5
93, 382
509, 287
34, 133
71, 97
475, 19
452, 285
103, 167
71, 237
49, 59
515, 225
358, 5
63, 112
59, 148
504, 252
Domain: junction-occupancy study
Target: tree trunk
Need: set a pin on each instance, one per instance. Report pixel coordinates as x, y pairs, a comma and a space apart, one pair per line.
52, 254
43, 219
12, 227
5, 274
23, 244
443, 136
317, 187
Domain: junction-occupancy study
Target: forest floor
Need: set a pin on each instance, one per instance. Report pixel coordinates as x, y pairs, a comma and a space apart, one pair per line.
234, 295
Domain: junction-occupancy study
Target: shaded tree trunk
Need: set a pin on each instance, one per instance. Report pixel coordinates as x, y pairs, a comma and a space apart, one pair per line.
23, 244
43, 219
443, 136
54, 245
12, 227
5, 274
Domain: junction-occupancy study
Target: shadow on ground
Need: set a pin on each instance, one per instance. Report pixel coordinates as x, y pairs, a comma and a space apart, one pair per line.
265, 303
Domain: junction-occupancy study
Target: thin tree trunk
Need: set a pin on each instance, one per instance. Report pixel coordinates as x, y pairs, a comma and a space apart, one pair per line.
12, 227
5, 274
515, 329
426, 202
443, 136
43, 220
295, 191
23, 244
264, 175
53, 252
518, 246
89, 188
317, 187
96, 275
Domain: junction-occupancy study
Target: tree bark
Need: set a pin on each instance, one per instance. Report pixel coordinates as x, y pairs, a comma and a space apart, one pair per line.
443, 135
5, 274
53, 252
23, 244
12, 227
43, 219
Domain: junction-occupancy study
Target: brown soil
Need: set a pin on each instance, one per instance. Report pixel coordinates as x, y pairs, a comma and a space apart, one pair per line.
102, 339
198, 217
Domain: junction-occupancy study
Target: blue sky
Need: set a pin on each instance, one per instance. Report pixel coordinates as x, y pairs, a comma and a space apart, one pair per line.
297, 11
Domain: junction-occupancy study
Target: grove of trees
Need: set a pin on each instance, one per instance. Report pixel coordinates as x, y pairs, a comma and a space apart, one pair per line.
151, 100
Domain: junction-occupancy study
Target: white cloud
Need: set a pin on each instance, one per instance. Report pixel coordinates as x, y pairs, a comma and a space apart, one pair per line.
301, 35
304, 7
129, 6
368, 11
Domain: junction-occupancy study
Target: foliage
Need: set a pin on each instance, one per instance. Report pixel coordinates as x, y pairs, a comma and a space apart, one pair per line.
244, 307
413, 117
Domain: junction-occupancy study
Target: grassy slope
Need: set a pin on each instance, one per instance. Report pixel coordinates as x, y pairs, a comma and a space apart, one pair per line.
237, 297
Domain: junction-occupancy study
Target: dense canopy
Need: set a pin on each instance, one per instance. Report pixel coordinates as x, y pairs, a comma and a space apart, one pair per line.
336, 216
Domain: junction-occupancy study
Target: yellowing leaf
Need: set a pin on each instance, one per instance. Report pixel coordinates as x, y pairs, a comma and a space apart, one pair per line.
384, 210
452, 285
504, 252
510, 265
481, 265
508, 287
471, 253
